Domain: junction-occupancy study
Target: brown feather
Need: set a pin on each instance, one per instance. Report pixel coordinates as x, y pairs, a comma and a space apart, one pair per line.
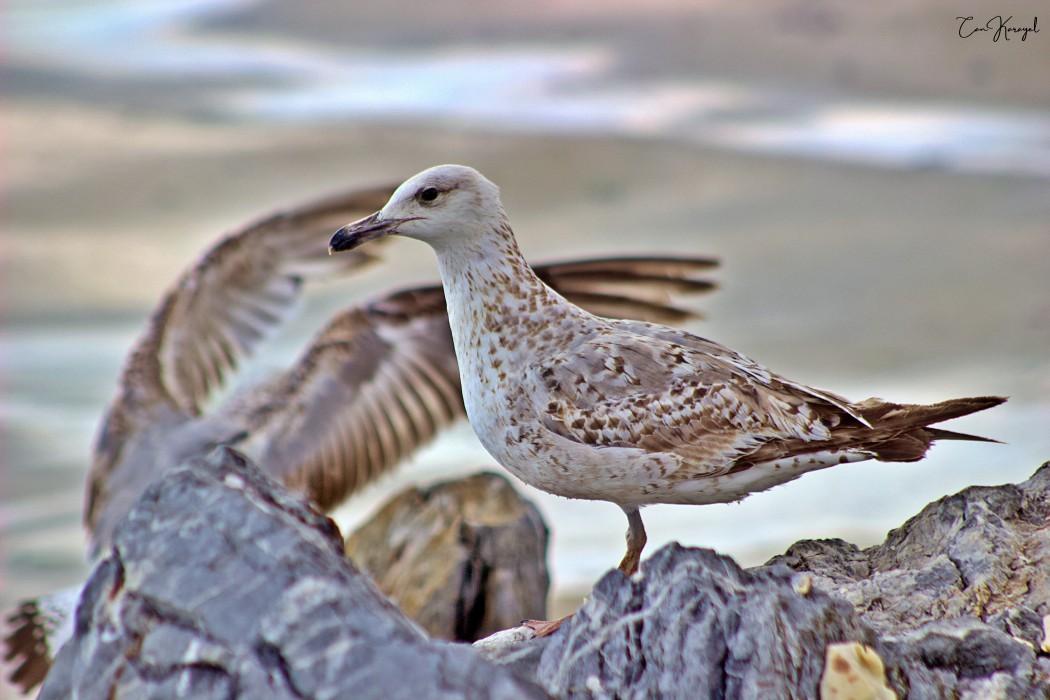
635, 288
214, 316
899, 432
27, 645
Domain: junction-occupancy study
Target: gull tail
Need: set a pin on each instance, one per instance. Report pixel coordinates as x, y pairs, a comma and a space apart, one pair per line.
902, 432
896, 433
941, 434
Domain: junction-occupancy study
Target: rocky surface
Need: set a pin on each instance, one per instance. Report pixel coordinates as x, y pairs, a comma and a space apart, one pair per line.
222, 585
983, 552
694, 624
960, 593
463, 558
953, 604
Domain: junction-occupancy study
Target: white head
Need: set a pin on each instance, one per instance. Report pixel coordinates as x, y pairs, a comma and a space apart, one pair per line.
441, 205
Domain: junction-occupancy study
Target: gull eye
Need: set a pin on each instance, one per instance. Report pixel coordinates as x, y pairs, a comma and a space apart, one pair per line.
428, 194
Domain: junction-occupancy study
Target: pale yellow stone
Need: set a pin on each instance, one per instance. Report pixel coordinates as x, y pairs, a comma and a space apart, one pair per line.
853, 671
1045, 646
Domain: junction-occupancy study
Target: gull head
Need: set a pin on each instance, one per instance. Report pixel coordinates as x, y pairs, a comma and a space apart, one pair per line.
443, 204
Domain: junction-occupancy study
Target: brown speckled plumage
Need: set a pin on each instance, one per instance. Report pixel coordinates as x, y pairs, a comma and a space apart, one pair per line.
624, 411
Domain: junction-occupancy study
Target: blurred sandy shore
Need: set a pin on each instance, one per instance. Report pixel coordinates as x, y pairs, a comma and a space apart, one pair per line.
911, 284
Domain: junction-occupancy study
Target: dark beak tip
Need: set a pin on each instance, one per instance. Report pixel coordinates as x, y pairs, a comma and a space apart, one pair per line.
367, 229
350, 236
339, 241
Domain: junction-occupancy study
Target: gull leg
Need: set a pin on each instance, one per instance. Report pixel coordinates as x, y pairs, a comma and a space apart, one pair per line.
635, 540
635, 544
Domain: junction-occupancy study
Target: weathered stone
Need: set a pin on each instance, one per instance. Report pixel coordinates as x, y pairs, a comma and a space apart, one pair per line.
462, 558
983, 552
953, 604
966, 659
221, 584
694, 624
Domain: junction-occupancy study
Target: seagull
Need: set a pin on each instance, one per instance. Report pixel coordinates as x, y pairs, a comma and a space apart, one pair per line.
377, 382
624, 411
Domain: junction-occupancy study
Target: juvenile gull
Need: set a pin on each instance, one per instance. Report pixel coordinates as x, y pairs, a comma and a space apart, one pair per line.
378, 381
615, 410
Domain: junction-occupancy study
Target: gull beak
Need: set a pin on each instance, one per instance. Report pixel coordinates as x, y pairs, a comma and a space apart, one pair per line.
360, 232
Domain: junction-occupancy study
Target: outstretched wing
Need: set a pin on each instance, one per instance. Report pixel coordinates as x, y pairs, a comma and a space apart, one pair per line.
242, 287
375, 384
637, 287
381, 380
216, 314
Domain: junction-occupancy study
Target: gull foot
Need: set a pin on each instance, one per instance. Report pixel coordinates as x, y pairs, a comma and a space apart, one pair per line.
544, 628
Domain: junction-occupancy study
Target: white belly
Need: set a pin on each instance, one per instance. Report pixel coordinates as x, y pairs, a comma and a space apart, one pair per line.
623, 475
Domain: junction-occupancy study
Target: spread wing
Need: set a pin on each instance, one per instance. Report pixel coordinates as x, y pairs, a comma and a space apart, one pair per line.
641, 288
692, 398
242, 287
375, 384
381, 380
216, 314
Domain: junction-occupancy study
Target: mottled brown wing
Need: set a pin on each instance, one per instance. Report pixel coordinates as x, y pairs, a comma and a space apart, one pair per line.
626, 389
749, 368
242, 287
381, 380
217, 312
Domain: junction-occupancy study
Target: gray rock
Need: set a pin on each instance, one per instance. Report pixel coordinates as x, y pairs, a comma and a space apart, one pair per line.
221, 584
983, 552
694, 624
964, 658
951, 605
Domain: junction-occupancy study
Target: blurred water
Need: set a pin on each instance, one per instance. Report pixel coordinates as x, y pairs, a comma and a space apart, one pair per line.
564, 89
50, 404
116, 36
